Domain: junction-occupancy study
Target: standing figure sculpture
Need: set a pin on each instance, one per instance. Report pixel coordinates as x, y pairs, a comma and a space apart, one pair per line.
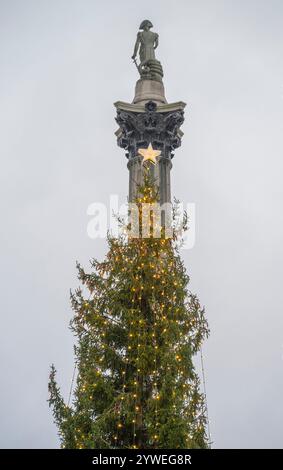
146, 43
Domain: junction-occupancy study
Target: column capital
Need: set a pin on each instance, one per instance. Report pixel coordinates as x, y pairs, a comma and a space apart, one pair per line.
156, 125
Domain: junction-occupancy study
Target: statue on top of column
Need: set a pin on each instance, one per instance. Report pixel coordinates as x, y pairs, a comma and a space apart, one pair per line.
146, 43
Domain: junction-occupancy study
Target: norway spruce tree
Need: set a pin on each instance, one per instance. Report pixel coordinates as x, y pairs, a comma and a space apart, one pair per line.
138, 328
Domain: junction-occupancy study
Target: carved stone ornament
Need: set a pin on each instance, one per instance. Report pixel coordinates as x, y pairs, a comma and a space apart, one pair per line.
139, 130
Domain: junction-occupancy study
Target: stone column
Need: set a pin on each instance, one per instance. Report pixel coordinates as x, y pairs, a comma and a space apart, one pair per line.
165, 166
135, 176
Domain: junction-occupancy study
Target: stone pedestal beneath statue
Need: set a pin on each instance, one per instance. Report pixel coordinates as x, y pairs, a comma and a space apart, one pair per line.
149, 90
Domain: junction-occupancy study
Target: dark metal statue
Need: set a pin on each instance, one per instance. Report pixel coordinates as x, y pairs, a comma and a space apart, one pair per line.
146, 43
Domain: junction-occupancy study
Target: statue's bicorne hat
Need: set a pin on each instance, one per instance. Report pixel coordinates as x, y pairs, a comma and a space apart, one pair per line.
145, 23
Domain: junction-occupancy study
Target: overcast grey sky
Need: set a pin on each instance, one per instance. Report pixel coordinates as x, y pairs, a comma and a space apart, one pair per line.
62, 65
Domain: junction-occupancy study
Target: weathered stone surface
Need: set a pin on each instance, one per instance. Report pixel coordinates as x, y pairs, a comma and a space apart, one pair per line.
149, 90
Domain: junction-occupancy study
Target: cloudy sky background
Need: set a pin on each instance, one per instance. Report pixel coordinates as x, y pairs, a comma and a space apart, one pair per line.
63, 63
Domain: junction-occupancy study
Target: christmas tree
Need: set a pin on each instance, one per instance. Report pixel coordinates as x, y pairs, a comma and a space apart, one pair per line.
137, 330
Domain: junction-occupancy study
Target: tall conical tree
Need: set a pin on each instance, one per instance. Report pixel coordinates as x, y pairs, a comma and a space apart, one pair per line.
137, 331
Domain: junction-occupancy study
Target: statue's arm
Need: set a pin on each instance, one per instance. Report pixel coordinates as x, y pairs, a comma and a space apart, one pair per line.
156, 41
136, 46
